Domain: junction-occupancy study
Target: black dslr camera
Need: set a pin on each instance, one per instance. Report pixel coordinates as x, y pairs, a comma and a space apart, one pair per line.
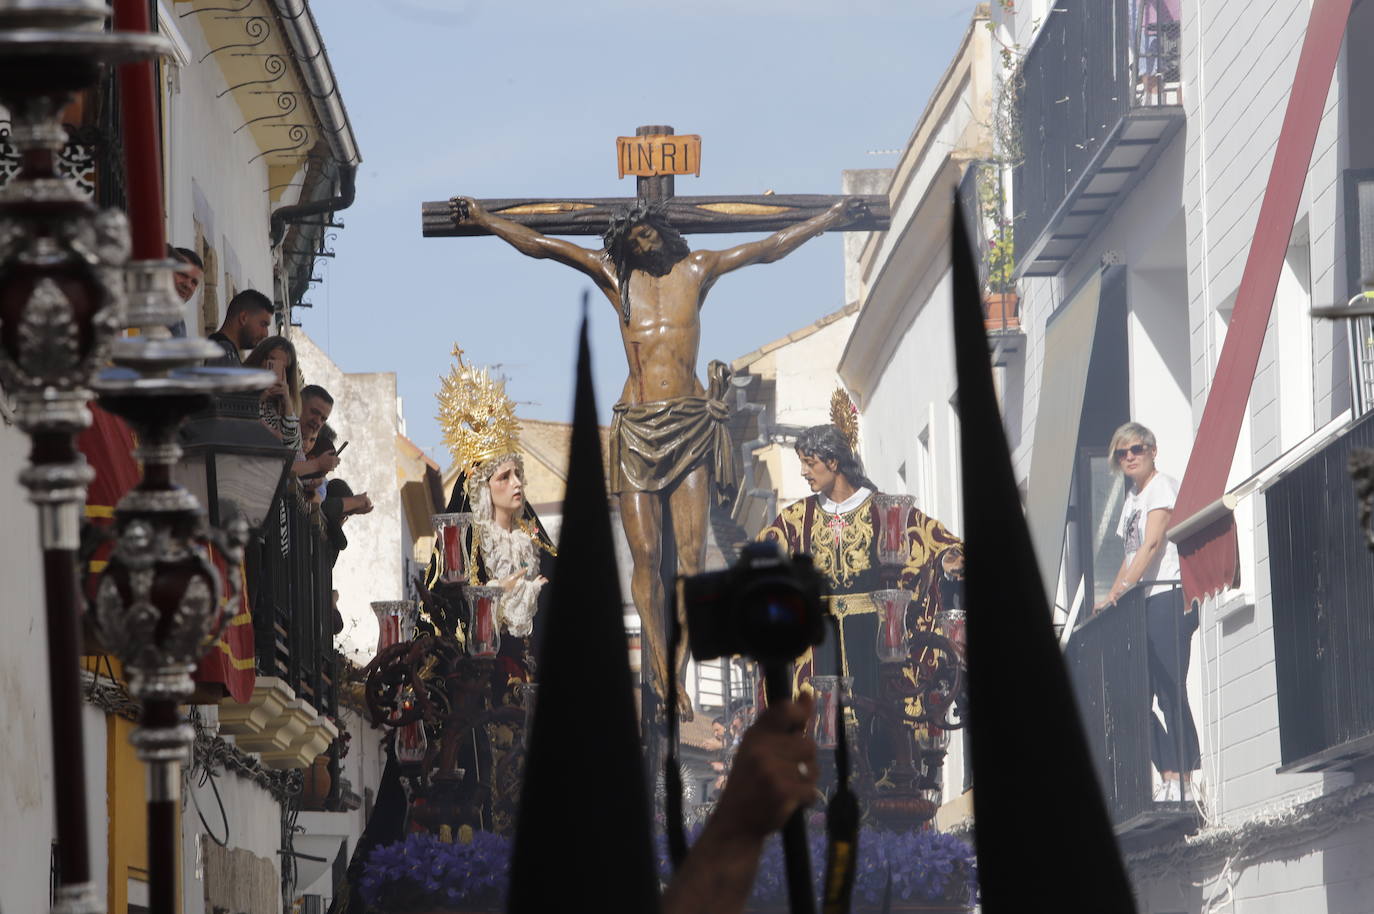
766, 606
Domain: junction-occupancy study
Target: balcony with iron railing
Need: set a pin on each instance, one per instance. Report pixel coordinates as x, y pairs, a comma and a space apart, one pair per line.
1108, 660
293, 605
1100, 95
1322, 587
235, 466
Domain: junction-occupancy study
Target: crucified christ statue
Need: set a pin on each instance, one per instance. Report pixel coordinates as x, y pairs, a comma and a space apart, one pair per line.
668, 437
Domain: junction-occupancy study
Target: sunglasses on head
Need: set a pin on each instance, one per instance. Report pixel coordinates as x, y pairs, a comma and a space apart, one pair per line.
1136, 449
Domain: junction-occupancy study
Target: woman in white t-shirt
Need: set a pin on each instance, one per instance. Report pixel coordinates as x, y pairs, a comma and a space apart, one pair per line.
1152, 559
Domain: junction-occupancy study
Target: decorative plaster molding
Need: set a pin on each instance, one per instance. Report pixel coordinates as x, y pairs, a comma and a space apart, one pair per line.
247, 720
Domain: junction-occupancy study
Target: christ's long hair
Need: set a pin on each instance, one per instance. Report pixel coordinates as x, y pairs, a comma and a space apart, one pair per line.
826, 443
658, 263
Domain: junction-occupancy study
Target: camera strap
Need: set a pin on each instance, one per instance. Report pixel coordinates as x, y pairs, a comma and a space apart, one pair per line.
842, 815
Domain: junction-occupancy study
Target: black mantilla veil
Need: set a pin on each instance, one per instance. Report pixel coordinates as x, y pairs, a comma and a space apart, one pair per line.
452, 605
658, 263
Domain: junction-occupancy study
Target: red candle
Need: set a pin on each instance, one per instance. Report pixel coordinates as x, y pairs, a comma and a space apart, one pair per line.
891, 606
391, 630
453, 553
825, 723
411, 743
894, 639
142, 148
484, 638
894, 528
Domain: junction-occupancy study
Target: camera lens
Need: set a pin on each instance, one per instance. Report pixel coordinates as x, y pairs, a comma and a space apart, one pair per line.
780, 612
774, 616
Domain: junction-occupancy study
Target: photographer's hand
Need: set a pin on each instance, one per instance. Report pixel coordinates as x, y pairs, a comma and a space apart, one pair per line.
774, 774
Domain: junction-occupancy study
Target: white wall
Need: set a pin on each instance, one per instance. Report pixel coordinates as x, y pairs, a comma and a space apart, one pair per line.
365, 415
912, 396
211, 175
1145, 232
26, 824
805, 381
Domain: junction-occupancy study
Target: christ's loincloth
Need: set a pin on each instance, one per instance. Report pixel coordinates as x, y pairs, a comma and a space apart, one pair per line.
654, 445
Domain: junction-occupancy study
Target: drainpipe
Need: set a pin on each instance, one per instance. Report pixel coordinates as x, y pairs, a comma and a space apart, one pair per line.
283, 216
307, 49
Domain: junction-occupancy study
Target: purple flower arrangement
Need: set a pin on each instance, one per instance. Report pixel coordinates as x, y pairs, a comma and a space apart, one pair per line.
927, 867
422, 873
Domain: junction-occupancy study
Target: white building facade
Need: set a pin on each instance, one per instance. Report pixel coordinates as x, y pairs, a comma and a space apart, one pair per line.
1146, 139
246, 138
898, 362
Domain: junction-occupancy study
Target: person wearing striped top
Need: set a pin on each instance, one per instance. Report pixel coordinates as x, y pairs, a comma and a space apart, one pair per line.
280, 404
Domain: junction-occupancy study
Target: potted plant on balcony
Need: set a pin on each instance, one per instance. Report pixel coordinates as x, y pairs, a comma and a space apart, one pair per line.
999, 253
996, 228
424, 875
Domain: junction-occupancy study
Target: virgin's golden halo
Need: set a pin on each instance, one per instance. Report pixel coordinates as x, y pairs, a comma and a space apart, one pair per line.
477, 418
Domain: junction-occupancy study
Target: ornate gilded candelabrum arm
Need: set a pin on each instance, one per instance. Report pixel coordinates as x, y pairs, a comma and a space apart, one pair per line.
61, 298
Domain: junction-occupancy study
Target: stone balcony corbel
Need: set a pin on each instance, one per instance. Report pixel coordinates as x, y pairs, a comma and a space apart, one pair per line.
285, 730
257, 715
313, 738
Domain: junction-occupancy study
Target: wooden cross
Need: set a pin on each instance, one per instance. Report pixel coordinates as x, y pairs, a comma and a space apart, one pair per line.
689, 215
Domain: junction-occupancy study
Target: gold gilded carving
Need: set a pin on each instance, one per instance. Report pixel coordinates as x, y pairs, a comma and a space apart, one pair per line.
544, 209
745, 209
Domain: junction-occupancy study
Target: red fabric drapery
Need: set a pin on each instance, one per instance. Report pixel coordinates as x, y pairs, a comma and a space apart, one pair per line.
108, 447
1209, 557
231, 660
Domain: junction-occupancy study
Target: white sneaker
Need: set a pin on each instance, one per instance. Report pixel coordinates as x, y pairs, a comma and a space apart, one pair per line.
1167, 792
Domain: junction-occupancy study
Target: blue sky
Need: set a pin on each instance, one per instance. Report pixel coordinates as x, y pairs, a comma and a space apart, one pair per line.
508, 99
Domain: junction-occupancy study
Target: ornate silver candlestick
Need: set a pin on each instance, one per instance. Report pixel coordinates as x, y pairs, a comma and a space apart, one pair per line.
160, 600
61, 296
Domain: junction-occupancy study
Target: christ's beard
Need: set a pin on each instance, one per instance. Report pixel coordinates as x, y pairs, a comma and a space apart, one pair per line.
658, 262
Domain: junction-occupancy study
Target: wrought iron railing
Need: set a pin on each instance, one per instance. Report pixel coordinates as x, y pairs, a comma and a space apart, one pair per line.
1092, 62
1322, 588
292, 602
1108, 660
93, 154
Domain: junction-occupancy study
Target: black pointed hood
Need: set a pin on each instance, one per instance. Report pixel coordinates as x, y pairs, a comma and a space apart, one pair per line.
583, 840
1044, 838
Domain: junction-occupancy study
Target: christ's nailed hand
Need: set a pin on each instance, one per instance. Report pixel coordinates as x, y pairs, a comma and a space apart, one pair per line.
467, 209
851, 210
